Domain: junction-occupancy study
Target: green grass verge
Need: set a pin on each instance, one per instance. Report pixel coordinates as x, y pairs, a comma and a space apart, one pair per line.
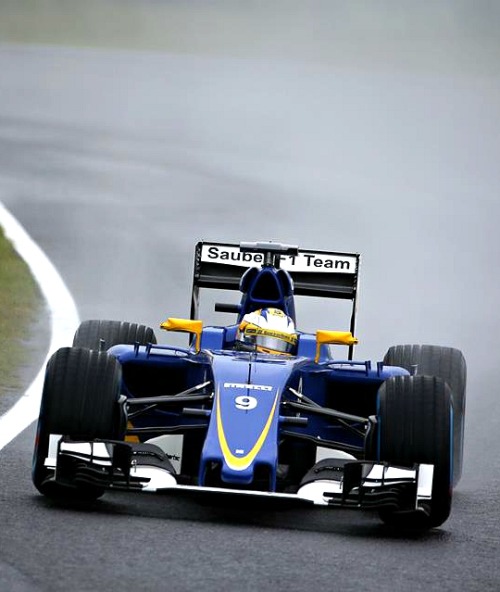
21, 304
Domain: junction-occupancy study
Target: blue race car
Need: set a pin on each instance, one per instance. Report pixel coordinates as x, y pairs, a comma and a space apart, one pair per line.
256, 409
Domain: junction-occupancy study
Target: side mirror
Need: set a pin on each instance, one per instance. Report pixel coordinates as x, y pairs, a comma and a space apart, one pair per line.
333, 338
185, 326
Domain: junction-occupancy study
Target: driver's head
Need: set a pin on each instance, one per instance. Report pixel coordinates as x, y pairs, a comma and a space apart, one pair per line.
270, 330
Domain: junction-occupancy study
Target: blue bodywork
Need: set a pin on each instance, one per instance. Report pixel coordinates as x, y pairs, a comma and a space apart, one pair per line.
251, 420
247, 426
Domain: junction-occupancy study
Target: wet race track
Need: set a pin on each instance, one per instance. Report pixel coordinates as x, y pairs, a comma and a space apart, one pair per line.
118, 162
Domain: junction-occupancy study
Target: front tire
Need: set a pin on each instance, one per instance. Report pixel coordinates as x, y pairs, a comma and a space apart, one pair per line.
448, 364
80, 400
415, 425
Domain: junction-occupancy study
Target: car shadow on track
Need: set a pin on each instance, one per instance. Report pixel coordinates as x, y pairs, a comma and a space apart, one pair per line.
349, 523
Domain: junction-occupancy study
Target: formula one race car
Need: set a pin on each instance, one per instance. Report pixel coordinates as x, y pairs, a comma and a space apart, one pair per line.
257, 408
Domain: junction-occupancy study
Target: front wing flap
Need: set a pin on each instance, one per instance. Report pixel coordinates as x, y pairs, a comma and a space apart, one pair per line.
145, 467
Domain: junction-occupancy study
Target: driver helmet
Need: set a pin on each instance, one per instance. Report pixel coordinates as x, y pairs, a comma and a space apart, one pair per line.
270, 330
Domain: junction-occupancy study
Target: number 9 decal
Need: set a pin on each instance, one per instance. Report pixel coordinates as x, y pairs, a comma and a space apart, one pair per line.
245, 402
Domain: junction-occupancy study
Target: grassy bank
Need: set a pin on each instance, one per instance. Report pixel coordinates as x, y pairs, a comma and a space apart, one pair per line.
20, 305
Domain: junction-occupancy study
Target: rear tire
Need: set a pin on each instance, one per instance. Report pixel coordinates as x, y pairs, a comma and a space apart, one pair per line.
80, 400
415, 425
104, 334
448, 364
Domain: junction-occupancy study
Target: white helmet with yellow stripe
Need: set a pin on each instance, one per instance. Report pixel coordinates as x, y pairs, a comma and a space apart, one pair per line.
269, 330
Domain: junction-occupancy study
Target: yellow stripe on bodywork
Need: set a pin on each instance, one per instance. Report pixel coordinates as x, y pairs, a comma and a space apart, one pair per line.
240, 463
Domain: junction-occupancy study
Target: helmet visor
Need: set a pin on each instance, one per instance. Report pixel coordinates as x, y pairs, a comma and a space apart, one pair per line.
274, 344
268, 340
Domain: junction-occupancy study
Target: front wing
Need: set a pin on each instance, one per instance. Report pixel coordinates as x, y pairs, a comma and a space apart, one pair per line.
145, 467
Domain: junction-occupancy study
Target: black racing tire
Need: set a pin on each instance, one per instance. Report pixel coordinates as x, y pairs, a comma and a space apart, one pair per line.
415, 425
104, 334
448, 364
80, 399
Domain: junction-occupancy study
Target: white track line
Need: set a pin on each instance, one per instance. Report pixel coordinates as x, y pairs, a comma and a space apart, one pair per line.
63, 315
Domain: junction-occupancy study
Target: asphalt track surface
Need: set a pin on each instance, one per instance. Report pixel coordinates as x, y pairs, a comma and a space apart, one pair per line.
117, 163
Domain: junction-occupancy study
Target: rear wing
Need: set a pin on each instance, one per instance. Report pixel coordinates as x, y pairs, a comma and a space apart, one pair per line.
328, 274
